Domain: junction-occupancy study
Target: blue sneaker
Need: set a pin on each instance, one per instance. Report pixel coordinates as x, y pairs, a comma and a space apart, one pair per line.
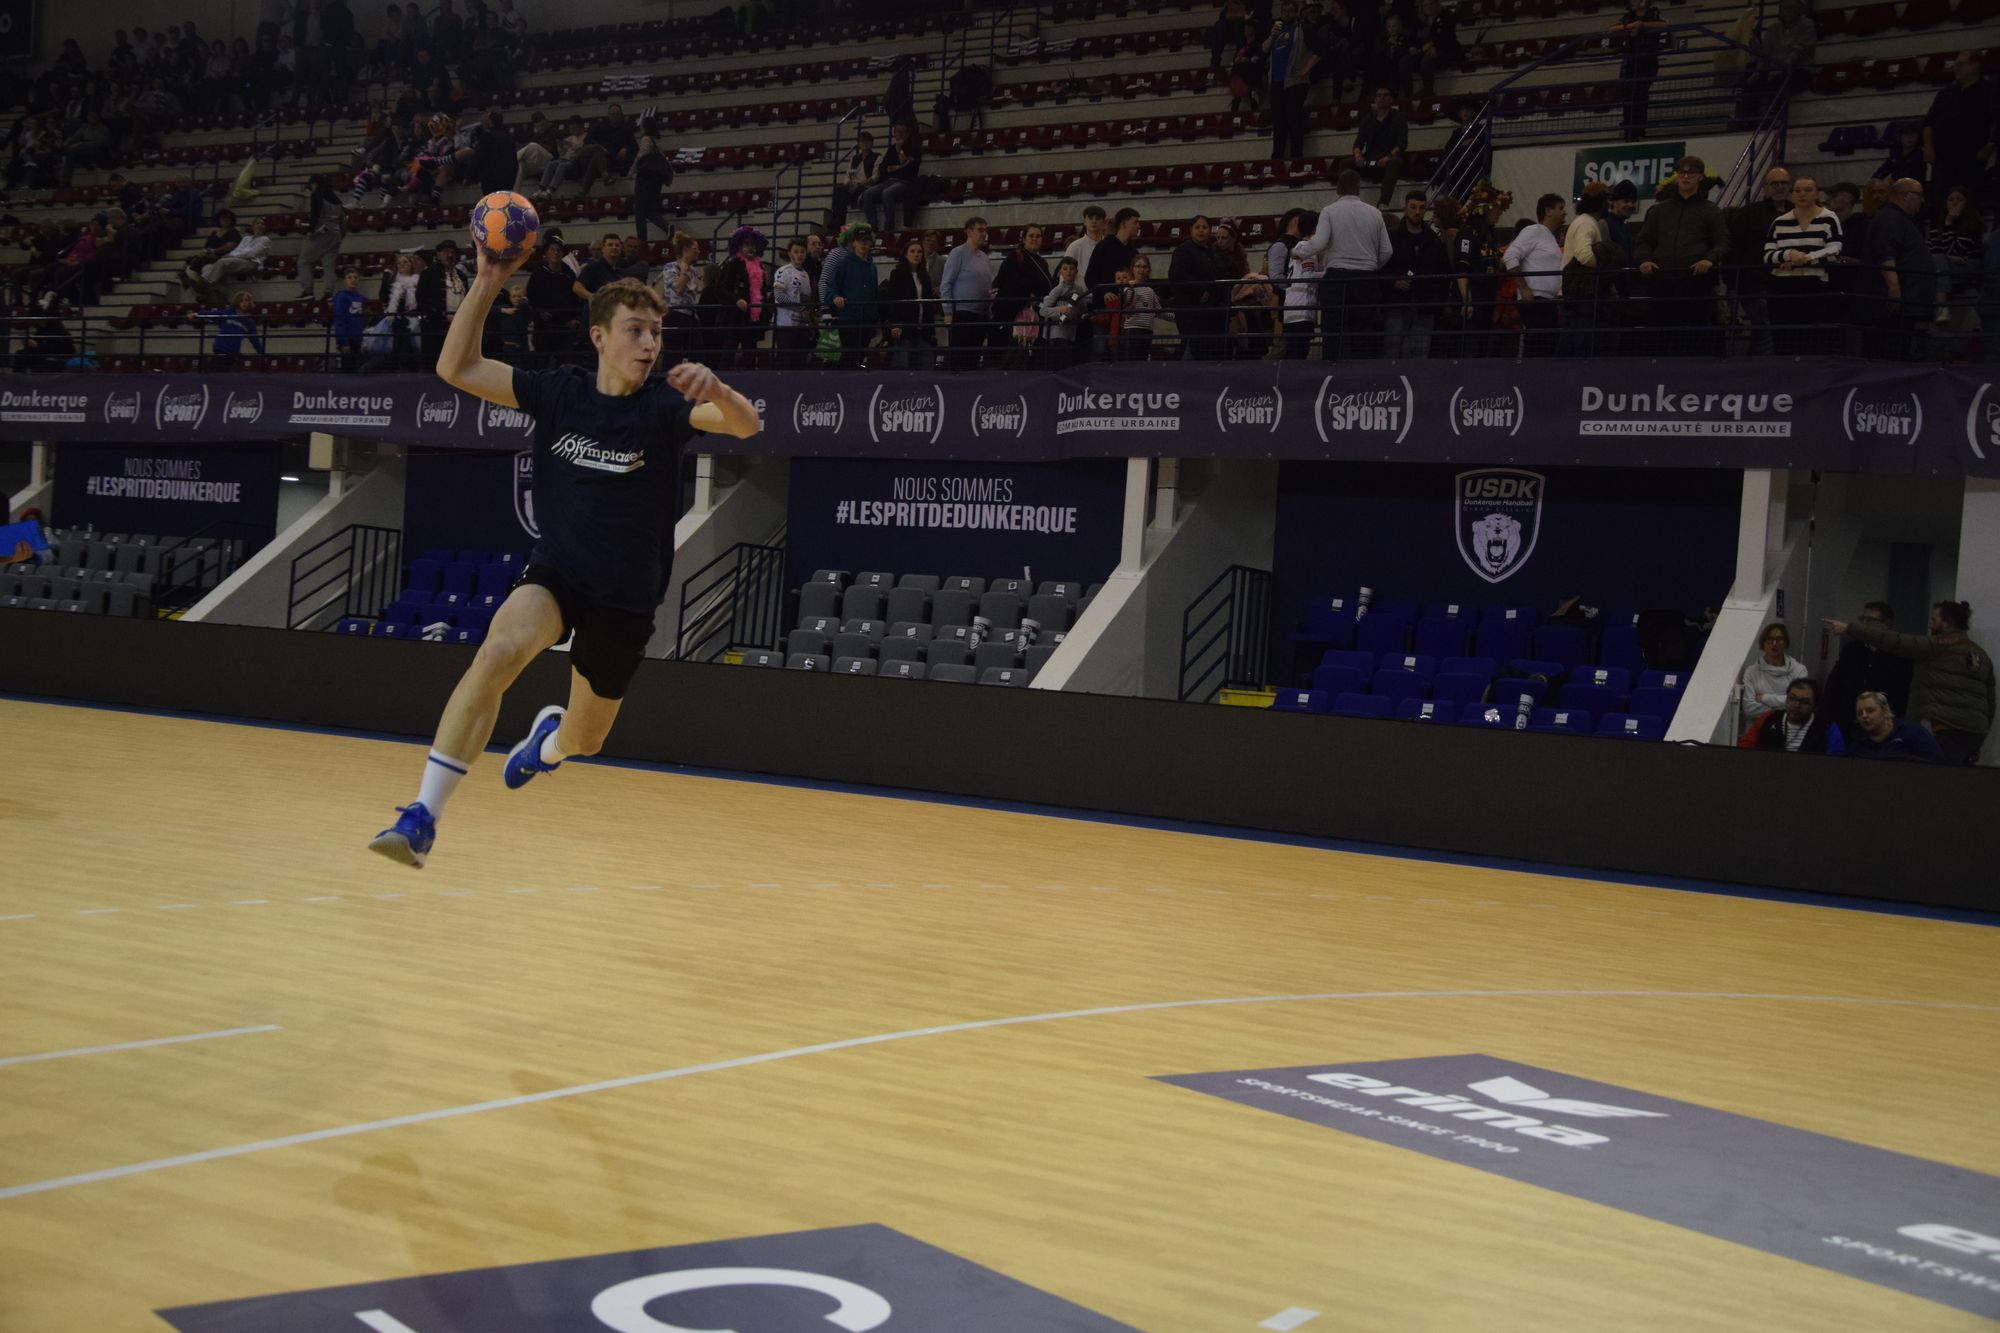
525, 759
409, 842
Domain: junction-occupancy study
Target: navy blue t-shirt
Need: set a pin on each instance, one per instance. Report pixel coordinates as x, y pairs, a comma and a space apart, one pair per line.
607, 483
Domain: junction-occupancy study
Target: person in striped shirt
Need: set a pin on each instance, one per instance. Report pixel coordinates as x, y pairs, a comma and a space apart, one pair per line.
1802, 242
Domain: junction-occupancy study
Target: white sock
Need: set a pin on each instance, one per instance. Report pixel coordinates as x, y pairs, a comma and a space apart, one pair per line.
552, 753
441, 775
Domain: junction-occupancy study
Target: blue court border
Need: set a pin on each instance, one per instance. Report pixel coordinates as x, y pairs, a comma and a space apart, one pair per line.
1084, 815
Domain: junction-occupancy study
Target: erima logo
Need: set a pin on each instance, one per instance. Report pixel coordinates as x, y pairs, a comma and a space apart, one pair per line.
122, 407
828, 414
1492, 411
437, 411
1248, 411
187, 408
1378, 411
1893, 416
247, 410
918, 412
1512, 1091
1006, 417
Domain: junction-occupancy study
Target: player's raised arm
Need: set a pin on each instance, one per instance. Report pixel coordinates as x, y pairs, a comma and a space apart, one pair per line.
718, 409
460, 362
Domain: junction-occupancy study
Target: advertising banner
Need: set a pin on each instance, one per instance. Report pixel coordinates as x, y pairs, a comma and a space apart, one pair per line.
168, 490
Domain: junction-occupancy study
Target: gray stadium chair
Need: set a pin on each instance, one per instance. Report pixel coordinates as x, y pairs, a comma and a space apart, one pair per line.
948, 652
1012, 677
954, 673
995, 654
1038, 657
98, 555
41, 604
909, 629
1002, 608
965, 583
827, 625
1069, 592
761, 657
920, 582
853, 666
66, 590
808, 641
76, 608
807, 662
122, 601
902, 650
908, 604
133, 559
14, 602
818, 599
1049, 611
902, 670
854, 645
953, 606
875, 579
1019, 587
34, 586
836, 577
870, 629
859, 603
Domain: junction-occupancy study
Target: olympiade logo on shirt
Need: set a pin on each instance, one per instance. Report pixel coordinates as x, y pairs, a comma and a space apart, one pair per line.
586, 452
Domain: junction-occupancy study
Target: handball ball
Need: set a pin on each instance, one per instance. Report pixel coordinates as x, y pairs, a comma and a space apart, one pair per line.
504, 224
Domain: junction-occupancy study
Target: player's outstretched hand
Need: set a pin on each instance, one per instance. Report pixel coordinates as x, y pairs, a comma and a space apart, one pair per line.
694, 382
495, 269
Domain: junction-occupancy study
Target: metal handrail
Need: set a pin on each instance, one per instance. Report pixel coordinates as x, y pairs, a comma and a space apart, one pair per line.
361, 560
735, 600
1238, 606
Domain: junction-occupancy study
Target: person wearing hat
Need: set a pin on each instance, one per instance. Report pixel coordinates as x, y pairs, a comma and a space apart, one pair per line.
1618, 214
440, 289
847, 291
741, 296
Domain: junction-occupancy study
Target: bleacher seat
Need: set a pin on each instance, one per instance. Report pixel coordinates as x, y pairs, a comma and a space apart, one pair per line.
1038, 656
1462, 689
1352, 659
899, 649
1376, 633
808, 641
953, 606
924, 583
876, 579
1484, 667
1595, 699
1394, 686
1301, 701
1566, 720
807, 662
827, 625
862, 602
854, 666
1002, 607
1426, 710
1332, 680
1443, 636
1490, 716
819, 599
1329, 623
849, 643
1566, 644
1508, 690
1049, 611
1013, 677
1632, 727
1502, 640
897, 670
907, 604
955, 673
1361, 705
1654, 701
763, 658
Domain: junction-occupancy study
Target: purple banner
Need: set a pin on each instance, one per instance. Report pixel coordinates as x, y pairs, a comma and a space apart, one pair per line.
1830, 413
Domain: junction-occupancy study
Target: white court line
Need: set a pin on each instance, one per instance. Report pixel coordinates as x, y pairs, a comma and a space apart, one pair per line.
261, 902
388, 895
178, 907
135, 1045
322, 898
520, 890
24, 916
449, 893
97, 911
884, 1038
645, 888
1286, 1320
383, 1322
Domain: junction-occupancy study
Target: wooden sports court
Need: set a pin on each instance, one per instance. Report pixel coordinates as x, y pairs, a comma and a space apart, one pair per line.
627, 1010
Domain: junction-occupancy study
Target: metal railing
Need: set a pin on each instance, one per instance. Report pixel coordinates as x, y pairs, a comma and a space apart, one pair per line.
736, 600
353, 572
1225, 634
187, 568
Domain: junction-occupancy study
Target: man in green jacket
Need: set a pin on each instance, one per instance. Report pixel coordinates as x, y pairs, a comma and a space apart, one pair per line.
1681, 240
1952, 690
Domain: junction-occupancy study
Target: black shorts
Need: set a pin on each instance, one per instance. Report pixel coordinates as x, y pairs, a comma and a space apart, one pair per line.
610, 642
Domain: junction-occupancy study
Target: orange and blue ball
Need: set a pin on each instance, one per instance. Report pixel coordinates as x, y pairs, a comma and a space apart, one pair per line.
504, 225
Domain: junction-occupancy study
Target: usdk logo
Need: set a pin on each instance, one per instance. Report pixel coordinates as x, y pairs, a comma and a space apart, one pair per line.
243, 409
1380, 409
1000, 416
524, 492
434, 412
1507, 1090
1497, 512
1249, 409
915, 415
1882, 415
493, 417
123, 408
819, 411
1982, 423
1501, 410
187, 408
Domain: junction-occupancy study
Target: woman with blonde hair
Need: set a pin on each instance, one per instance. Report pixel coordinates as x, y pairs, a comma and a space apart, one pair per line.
1765, 680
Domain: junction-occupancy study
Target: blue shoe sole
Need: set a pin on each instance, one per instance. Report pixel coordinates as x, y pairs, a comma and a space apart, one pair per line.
534, 740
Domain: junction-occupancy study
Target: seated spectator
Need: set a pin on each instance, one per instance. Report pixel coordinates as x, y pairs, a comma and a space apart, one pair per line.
1761, 689
1786, 43
87, 147
894, 184
616, 146
909, 306
350, 321
536, 151
1907, 157
1878, 734
633, 263
222, 241
1799, 727
569, 162
1383, 139
1951, 688
1437, 43
1800, 249
1862, 666
856, 176
233, 324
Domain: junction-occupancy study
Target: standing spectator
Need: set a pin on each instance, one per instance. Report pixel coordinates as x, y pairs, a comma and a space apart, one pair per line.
1878, 734
1193, 279
326, 228
1278, 265
652, 173
1955, 243
1140, 308
1800, 248
1861, 666
440, 290
1589, 272
815, 257
495, 159
1908, 157
1680, 242
602, 269
934, 258
556, 314
234, 324
1024, 279
1475, 266
909, 303
1617, 219
1749, 226
792, 297
681, 279
1639, 61
895, 182
1289, 66
1534, 257
392, 344
1062, 311
1416, 263
1094, 230
1959, 127
1246, 295
1304, 273
847, 292
632, 264
350, 321
1249, 81
1351, 243
857, 174
1761, 689
742, 295
1115, 251
1383, 140
1786, 44
1226, 31
1797, 728
1898, 275
967, 292
1951, 689
1840, 198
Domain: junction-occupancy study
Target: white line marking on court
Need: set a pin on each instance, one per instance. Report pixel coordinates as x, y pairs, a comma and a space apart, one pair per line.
24, 916
584, 888
520, 890
454, 893
1380, 898
1326, 895
1217, 892
1445, 901
322, 898
992, 886
178, 907
388, 895
382, 1322
780, 886
827, 884
646, 888
265, 902
704, 886
1102, 888
1269, 893
935, 886
97, 911
1286, 1320
872, 886
884, 1038
1159, 890
135, 1045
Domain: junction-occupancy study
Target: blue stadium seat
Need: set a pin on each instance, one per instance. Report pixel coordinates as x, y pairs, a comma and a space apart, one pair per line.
424, 575
1350, 659
459, 577
1567, 721
1620, 646
1507, 690
1396, 608
1663, 680
1614, 678
1425, 710
1491, 716
1329, 623
1534, 666
385, 629
1463, 689
1846, 140
1632, 727
1300, 701
354, 625
1654, 701
1503, 640
1470, 666
1442, 636
437, 555
1421, 663
1567, 644
1332, 680
1510, 613
1598, 699
1396, 686
473, 558
402, 613
494, 580
1361, 705
1382, 634
466, 634
1465, 611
